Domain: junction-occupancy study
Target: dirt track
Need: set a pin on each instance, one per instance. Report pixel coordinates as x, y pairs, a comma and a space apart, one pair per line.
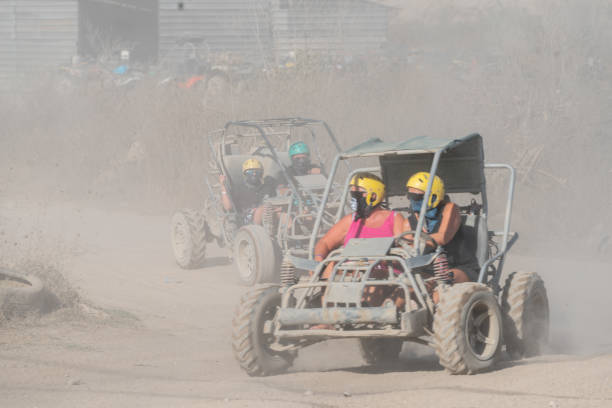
154, 335
533, 77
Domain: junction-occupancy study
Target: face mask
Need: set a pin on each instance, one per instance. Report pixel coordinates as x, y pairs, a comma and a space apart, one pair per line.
416, 205
431, 215
252, 180
301, 165
354, 204
416, 202
359, 205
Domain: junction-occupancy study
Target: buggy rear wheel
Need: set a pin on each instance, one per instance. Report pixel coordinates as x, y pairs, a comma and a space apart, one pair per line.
255, 256
252, 337
189, 233
380, 351
467, 328
526, 314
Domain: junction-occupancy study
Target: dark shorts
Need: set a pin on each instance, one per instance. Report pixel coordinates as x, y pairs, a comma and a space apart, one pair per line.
472, 270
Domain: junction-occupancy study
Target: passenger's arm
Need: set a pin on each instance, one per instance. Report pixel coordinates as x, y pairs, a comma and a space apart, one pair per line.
333, 238
399, 224
449, 224
407, 227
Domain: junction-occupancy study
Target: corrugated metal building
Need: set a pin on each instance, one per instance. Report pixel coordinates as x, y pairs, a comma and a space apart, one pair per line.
339, 27
270, 29
236, 26
35, 34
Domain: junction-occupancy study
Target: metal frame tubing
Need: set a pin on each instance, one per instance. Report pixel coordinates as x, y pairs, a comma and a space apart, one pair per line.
501, 254
419, 227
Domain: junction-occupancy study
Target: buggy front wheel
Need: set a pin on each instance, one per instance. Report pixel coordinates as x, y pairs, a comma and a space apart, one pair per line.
252, 333
467, 328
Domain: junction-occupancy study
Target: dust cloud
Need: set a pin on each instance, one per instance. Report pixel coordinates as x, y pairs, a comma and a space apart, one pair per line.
533, 79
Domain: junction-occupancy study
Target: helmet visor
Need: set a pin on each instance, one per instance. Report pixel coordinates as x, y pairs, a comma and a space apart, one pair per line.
253, 173
415, 196
253, 176
357, 194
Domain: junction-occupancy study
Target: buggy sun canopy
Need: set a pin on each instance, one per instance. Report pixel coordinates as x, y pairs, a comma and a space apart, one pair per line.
461, 165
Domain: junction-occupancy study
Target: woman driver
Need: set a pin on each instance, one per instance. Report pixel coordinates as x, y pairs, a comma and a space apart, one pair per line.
368, 220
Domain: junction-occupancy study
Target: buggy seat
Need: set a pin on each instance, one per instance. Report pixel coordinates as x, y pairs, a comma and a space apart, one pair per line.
474, 240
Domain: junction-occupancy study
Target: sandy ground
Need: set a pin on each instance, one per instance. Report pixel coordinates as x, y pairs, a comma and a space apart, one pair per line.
153, 335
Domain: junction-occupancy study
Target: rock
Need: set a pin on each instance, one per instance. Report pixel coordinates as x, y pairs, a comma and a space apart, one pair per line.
74, 381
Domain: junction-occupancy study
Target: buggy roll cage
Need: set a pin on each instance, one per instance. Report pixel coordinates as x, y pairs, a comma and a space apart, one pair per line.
259, 125
461, 162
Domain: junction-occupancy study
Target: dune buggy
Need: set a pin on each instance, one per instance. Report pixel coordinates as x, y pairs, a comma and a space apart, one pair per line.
288, 218
468, 325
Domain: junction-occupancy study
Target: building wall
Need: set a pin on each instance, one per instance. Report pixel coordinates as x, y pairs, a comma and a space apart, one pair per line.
235, 26
271, 29
36, 35
339, 27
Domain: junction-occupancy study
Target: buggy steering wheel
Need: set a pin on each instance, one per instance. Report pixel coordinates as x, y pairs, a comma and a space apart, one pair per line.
408, 242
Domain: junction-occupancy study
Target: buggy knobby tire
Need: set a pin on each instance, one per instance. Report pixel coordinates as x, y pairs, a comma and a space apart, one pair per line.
526, 314
250, 344
467, 328
255, 256
380, 351
20, 295
189, 233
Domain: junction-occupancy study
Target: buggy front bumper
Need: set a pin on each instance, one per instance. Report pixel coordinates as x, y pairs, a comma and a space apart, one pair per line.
410, 324
338, 315
344, 334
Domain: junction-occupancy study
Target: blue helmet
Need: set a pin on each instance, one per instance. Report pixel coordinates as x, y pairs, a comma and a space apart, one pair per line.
298, 148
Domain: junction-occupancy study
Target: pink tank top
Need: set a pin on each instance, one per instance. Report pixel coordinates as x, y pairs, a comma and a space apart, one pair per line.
385, 230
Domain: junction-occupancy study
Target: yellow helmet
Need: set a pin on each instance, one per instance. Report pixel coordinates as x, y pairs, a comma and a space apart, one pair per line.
373, 185
250, 164
419, 181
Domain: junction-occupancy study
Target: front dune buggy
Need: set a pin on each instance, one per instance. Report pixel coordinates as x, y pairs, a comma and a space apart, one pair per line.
468, 326
287, 219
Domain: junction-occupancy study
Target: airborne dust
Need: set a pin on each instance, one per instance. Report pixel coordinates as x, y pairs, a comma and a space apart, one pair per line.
534, 80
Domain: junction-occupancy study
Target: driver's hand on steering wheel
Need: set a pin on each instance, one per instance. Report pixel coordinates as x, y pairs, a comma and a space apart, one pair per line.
426, 245
430, 246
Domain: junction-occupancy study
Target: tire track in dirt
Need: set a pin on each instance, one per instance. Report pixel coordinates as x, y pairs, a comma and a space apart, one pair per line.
472, 390
191, 397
